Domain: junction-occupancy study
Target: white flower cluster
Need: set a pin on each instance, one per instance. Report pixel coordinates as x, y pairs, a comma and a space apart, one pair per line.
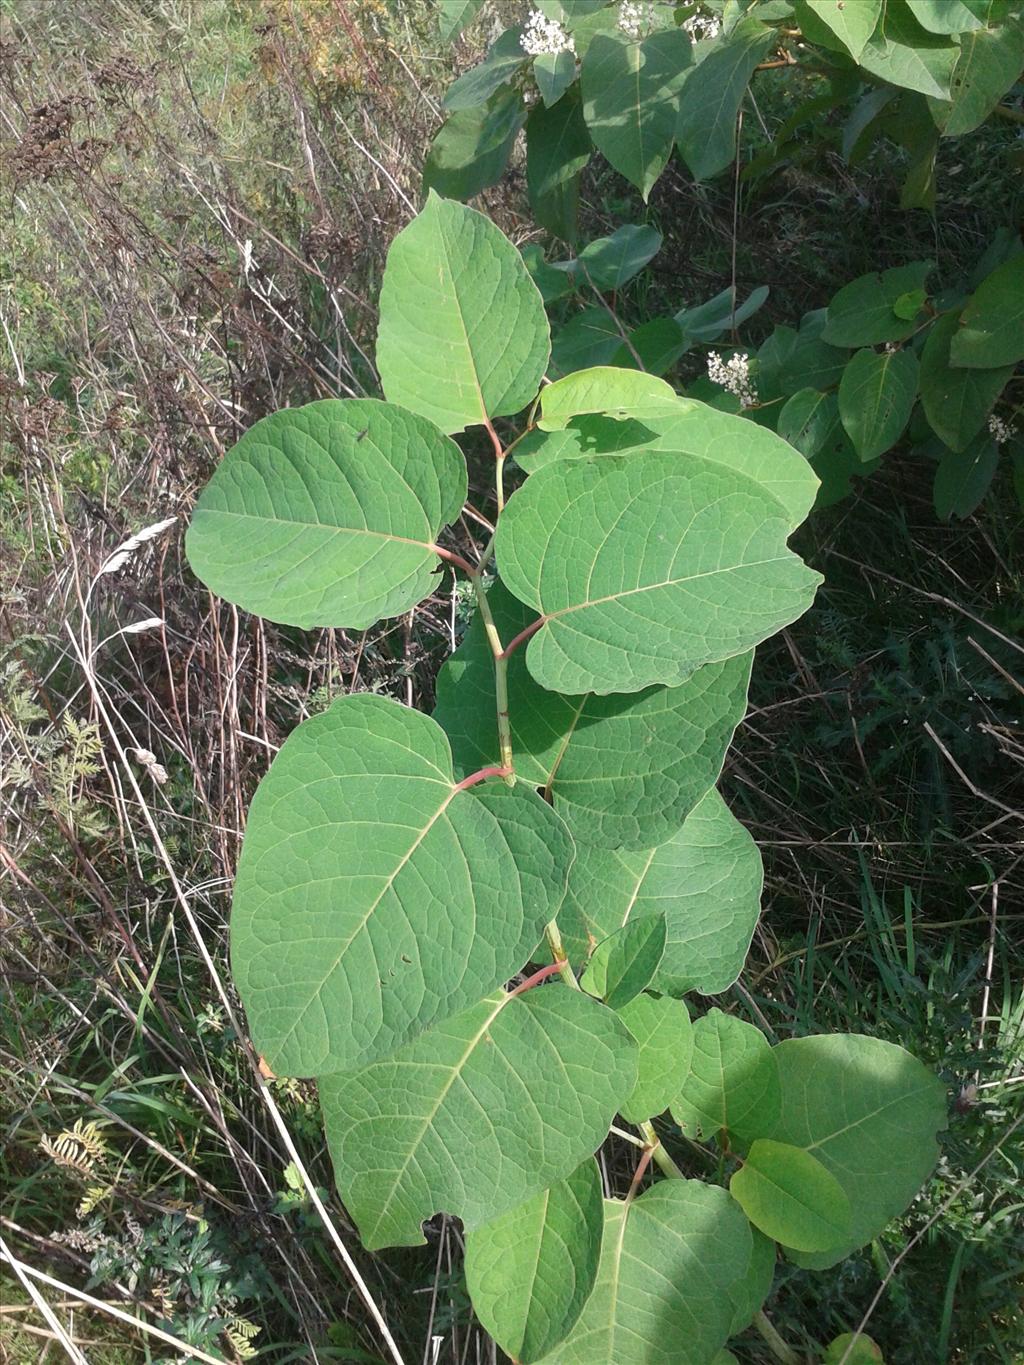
542, 35
635, 19
733, 375
700, 26
1001, 430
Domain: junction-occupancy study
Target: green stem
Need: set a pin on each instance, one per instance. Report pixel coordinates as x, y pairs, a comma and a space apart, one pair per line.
661, 1157
565, 971
773, 1341
500, 679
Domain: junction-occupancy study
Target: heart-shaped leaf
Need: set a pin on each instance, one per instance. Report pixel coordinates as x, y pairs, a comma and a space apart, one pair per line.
668, 1262
504, 59
375, 894
712, 97
611, 262
463, 335
645, 568
624, 963
706, 881
620, 770
664, 1039
791, 1197
991, 331
852, 24
471, 151
733, 1082
609, 390
956, 401
530, 1271
325, 515
453, 1121
869, 1112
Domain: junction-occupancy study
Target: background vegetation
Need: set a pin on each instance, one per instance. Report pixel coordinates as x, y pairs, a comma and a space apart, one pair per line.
198, 198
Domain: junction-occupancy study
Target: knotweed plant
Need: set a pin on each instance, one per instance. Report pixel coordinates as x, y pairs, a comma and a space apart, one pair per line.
479, 930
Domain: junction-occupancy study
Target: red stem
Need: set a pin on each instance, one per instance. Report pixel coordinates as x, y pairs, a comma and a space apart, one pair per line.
537, 978
638, 1174
523, 635
482, 775
455, 559
499, 449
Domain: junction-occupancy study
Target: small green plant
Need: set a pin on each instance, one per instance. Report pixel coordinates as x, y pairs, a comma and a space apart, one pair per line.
399, 870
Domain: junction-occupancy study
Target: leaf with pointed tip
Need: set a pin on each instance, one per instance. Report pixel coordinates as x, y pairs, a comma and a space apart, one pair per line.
376, 896
964, 477
946, 16
956, 401
645, 568
463, 334
455, 15
611, 262
460, 1119
991, 330
472, 148
689, 429
711, 99
852, 24
668, 1262
876, 397
505, 57
790, 1196
631, 100
869, 1112
554, 72
706, 880
530, 1271
325, 515
989, 65
863, 313
707, 321
807, 420
622, 965
621, 769
664, 1037
901, 52
733, 1082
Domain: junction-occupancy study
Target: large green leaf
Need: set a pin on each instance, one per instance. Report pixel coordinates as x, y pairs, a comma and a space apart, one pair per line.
623, 964
863, 313
853, 24
945, 16
664, 1038
989, 65
530, 1271
956, 401
706, 880
589, 338
610, 262
325, 515
790, 359
631, 100
707, 321
685, 428
905, 54
621, 770
733, 1082
472, 149
505, 57
712, 96
455, 15
964, 477
808, 419
557, 149
789, 1195
991, 328
669, 1260
554, 72
375, 895
463, 334
869, 1112
749, 1293
646, 567
876, 396
459, 1120
611, 391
